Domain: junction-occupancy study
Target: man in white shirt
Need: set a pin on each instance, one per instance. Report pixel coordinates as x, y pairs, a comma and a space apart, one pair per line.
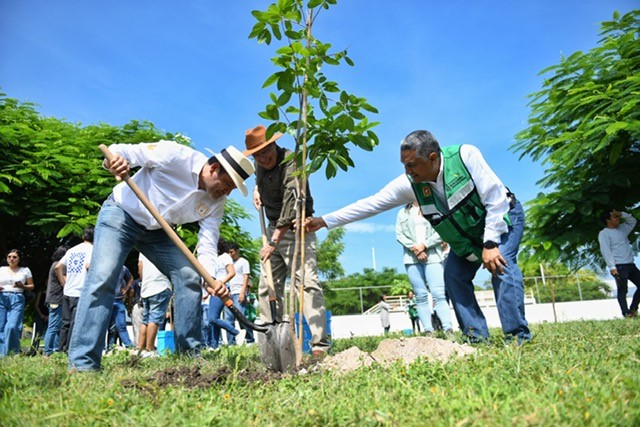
185, 186
238, 288
473, 212
76, 263
618, 254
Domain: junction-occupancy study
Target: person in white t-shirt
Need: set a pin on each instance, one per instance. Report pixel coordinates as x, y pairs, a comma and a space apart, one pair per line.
155, 293
76, 263
239, 286
224, 272
14, 280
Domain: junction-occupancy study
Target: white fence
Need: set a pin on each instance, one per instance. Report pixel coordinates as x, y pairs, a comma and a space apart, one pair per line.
369, 324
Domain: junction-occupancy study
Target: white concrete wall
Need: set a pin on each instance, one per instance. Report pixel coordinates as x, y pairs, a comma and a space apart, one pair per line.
369, 325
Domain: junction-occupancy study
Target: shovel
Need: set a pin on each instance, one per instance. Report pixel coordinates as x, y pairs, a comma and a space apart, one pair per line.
277, 348
183, 248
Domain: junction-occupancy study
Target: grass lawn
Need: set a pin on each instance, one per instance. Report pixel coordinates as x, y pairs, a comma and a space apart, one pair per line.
571, 374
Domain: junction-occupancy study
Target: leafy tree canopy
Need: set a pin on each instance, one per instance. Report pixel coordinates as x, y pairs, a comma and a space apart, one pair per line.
52, 182
329, 250
585, 126
345, 301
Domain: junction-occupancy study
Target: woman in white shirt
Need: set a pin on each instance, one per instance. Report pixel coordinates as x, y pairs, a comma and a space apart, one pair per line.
224, 272
14, 280
423, 260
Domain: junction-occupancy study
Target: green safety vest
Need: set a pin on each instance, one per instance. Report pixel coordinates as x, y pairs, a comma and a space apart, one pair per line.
461, 221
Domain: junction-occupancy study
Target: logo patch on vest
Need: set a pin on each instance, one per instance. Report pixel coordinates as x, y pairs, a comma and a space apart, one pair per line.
426, 191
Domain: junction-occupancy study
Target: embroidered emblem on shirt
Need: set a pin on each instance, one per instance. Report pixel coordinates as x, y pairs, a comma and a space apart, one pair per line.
202, 210
426, 191
152, 146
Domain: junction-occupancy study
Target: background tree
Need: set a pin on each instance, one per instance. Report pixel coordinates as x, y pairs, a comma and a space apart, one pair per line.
52, 183
329, 250
343, 297
585, 125
568, 284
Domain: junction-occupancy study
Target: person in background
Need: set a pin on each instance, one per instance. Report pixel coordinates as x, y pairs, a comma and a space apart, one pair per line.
54, 304
618, 254
133, 303
118, 321
155, 293
239, 287
15, 279
207, 327
72, 272
473, 211
224, 272
423, 259
41, 321
385, 308
412, 311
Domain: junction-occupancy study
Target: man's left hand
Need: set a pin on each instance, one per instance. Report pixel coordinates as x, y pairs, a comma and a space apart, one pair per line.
493, 261
266, 252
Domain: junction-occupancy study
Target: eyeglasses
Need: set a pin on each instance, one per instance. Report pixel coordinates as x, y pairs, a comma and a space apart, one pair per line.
264, 152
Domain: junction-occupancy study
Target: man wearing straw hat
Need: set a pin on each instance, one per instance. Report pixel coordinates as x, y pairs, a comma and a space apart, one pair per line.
275, 190
185, 186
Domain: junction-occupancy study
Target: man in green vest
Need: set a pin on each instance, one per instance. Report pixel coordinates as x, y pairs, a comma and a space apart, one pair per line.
473, 212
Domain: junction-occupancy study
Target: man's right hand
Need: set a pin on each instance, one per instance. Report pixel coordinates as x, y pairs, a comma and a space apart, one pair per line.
614, 272
313, 223
119, 166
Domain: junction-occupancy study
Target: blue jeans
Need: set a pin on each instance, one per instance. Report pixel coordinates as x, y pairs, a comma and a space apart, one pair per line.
11, 315
116, 233
228, 315
215, 313
508, 288
119, 318
425, 278
207, 328
52, 337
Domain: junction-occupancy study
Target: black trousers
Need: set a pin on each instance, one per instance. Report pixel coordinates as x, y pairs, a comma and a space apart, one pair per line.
628, 272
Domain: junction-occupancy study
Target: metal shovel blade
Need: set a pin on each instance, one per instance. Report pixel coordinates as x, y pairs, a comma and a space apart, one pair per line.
286, 346
277, 348
268, 346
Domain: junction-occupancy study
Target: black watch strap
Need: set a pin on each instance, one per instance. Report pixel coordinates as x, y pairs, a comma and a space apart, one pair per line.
489, 244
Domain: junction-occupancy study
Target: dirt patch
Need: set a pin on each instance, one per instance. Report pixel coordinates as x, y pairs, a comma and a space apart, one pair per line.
193, 377
389, 351
406, 350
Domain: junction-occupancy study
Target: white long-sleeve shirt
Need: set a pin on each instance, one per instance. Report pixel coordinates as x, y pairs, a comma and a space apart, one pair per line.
614, 242
398, 192
168, 175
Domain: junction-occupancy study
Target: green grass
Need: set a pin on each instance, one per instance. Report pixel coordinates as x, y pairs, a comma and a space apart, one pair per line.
573, 374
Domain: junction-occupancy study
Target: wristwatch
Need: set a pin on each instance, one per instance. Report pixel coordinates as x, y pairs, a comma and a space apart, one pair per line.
489, 244
273, 243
